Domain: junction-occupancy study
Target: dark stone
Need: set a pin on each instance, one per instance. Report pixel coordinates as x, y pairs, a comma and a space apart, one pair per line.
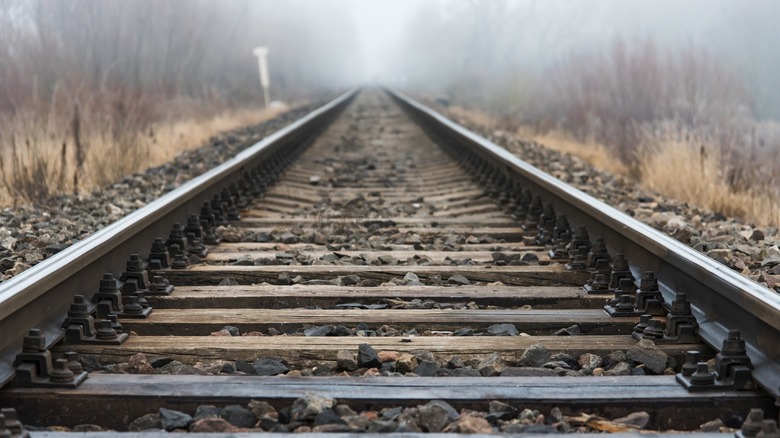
323, 369
463, 332
458, 280
170, 419
238, 416
308, 407
145, 422
367, 357
245, 367
426, 368
341, 330
269, 367
534, 356
90, 363
435, 415
228, 368
327, 416
205, 411
381, 426
502, 330
232, 330
161, 362
323, 330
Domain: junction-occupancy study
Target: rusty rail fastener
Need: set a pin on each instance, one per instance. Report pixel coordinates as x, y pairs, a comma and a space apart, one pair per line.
34, 366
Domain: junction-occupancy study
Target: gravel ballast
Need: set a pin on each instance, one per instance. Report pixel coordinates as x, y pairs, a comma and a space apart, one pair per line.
31, 233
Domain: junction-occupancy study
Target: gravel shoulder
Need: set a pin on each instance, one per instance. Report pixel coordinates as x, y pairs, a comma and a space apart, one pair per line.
752, 251
31, 233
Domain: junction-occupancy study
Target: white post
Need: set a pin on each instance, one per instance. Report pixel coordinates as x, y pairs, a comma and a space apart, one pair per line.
262, 64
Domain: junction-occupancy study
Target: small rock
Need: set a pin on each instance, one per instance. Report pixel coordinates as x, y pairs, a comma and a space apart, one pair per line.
573, 330
646, 352
501, 410
314, 180
426, 368
345, 361
139, 364
435, 415
635, 419
458, 280
244, 260
367, 357
269, 367
491, 365
534, 356
412, 279
213, 425
388, 356
712, 426
170, 419
288, 238
232, 330
327, 416
620, 369
405, 363
589, 360
469, 424
261, 409
309, 406
502, 330
145, 422
323, 330
238, 416
206, 411
228, 281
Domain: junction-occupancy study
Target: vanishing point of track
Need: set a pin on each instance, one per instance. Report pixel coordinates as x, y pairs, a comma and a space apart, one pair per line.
375, 220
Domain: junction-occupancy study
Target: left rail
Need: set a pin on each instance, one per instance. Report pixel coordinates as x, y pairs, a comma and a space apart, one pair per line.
39, 297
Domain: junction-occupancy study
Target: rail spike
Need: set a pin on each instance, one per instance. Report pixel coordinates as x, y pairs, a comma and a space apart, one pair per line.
733, 368
34, 367
680, 325
80, 327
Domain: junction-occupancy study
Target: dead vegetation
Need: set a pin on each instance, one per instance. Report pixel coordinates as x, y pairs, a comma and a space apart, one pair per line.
91, 91
677, 121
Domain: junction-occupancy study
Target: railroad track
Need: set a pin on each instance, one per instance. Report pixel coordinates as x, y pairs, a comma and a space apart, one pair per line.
348, 252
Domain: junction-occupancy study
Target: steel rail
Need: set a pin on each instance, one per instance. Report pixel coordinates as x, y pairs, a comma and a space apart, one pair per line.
721, 299
39, 297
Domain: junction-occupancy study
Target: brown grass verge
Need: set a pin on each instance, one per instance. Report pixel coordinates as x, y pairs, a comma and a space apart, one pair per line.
679, 165
43, 157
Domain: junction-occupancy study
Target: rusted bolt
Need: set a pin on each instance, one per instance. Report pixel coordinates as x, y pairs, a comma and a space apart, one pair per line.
132, 306
769, 429
643, 320
654, 330
752, 424
159, 257
12, 422
60, 372
179, 262
625, 304
73, 363
692, 357
105, 332
702, 376
34, 342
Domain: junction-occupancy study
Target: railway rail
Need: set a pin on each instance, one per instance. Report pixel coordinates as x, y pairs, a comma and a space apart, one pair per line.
371, 239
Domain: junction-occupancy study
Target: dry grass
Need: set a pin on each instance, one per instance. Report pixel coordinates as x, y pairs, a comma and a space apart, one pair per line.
677, 163
43, 158
688, 168
591, 151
